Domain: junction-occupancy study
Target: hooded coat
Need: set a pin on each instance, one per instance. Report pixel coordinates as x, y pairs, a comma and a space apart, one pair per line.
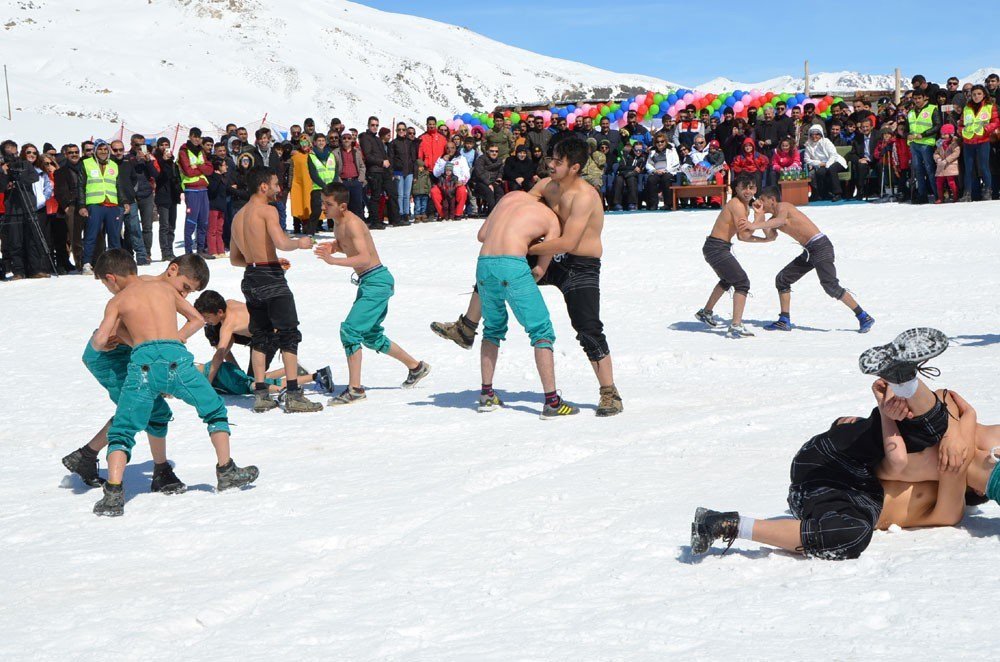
753, 162
822, 153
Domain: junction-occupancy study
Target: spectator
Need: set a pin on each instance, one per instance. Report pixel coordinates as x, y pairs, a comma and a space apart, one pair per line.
849, 132
825, 164
949, 114
946, 157
541, 163
687, 128
98, 198
893, 155
751, 117
309, 128
460, 171
766, 133
500, 137
322, 166
195, 169
953, 89
421, 190
785, 157
519, 171
447, 198
244, 137
862, 157
431, 143
403, 157
593, 171
302, 183
240, 183
863, 110
993, 87
67, 183
662, 167
782, 121
636, 131
468, 151
23, 249
978, 123
487, 179
218, 194
610, 171
751, 162
141, 162
377, 168
133, 224
725, 129
809, 120
925, 124
733, 147
167, 196
920, 84
284, 152
631, 170
699, 150
962, 97
837, 136
351, 172
57, 234
538, 136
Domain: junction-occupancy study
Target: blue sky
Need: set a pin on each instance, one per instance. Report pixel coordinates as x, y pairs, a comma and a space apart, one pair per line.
683, 43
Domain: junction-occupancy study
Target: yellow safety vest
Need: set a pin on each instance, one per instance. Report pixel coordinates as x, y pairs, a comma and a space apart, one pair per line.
195, 161
101, 187
920, 121
326, 171
974, 124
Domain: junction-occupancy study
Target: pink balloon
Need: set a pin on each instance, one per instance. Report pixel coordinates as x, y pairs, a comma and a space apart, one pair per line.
458, 122
755, 92
571, 118
738, 107
546, 115
688, 98
633, 106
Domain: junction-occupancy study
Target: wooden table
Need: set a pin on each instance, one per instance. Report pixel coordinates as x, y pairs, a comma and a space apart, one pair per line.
795, 191
699, 191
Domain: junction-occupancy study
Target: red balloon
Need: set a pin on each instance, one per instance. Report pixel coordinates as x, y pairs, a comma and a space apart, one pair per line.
593, 112
643, 109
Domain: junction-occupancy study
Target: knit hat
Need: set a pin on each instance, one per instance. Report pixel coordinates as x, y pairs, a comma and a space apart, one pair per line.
449, 167
47, 147
521, 148
99, 142
714, 144
947, 130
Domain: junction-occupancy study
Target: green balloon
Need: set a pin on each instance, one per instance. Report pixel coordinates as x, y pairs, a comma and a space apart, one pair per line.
654, 109
515, 118
657, 98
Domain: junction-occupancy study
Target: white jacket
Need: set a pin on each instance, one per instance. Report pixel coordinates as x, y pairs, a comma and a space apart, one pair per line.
665, 160
460, 169
822, 152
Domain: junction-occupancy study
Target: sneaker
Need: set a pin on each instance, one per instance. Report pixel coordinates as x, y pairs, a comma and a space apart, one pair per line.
324, 377
967, 197
899, 361
488, 403
231, 476
738, 331
783, 324
263, 402
415, 375
84, 465
376, 226
462, 332
865, 322
112, 504
166, 481
709, 526
205, 255
296, 403
611, 402
88, 270
561, 409
708, 317
348, 396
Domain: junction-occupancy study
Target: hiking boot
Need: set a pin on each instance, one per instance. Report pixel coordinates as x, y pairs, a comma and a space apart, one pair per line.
899, 361
865, 322
296, 403
462, 332
561, 409
415, 375
166, 481
708, 317
611, 402
488, 403
83, 462
112, 504
347, 397
263, 401
738, 331
709, 526
324, 377
231, 476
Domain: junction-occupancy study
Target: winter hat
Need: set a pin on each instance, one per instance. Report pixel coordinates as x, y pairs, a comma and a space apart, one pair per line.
714, 144
101, 141
47, 147
448, 167
522, 148
420, 162
816, 128
947, 130
592, 143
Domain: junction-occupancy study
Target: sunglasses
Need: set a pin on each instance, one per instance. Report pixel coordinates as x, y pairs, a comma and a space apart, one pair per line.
72, 152
31, 153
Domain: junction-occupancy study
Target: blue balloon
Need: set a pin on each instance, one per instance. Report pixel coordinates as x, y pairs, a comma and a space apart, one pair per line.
730, 102
476, 122
717, 115
672, 99
467, 118
570, 109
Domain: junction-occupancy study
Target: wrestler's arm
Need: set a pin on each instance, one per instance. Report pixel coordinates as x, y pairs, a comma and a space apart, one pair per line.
542, 265
578, 215
222, 350
195, 321
950, 505
99, 340
363, 257
538, 190
281, 240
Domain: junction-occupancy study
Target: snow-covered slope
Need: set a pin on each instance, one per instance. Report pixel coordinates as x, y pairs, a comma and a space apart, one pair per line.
203, 61
837, 81
409, 528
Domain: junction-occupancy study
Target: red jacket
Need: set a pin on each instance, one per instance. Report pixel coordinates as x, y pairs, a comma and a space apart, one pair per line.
901, 158
431, 148
754, 162
991, 126
785, 161
187, 170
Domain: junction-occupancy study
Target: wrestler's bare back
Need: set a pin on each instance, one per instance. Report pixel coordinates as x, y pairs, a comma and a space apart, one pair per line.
515, 222
797, 225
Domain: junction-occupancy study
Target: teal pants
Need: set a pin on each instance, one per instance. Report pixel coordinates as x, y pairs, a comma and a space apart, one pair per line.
110, 369
506, 280
162, 366
230, 380
363, 325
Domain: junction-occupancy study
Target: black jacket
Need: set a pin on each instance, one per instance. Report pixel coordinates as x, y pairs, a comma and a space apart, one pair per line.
67, 183
858, 146
766, 130
513, 168
218, 189
403, 155
144, 173
126, 182
373, 151
168, 183
13, 201
786, 127
487, 171
630, 161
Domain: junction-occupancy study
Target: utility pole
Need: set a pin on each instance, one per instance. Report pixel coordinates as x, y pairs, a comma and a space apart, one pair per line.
806, 90
899, 87
6, 85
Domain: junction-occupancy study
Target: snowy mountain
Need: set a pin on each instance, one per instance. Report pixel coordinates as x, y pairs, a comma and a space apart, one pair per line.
837, 81
978, 77
210, 61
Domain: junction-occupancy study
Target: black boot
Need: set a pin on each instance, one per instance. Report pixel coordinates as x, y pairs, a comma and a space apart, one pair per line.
709, 526
166, 481
112, 504
231, 476
83, 462
898, 361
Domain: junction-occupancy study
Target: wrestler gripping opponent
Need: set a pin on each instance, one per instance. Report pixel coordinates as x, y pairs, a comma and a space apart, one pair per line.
817, 254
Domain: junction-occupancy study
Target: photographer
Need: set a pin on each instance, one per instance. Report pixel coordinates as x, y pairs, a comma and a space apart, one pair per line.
24, 248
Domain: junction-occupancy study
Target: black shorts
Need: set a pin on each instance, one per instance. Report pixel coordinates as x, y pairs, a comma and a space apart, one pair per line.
273, 318
579, 280
719, 255
818, 255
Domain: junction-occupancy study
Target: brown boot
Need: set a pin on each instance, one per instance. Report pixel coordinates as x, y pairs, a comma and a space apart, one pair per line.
462, 332
611, 402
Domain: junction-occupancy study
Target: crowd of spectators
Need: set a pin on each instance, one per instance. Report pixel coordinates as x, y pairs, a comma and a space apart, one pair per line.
59, 208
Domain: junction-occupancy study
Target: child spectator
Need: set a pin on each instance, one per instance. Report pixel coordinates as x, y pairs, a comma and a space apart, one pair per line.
448, 186
593, 171
893, 153
946, 157
217, 205
751, 161
630, 179
421, 191
786, 157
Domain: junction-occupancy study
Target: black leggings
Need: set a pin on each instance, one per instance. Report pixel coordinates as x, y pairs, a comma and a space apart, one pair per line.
579, 280
273, 318
818, 255
719, 255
